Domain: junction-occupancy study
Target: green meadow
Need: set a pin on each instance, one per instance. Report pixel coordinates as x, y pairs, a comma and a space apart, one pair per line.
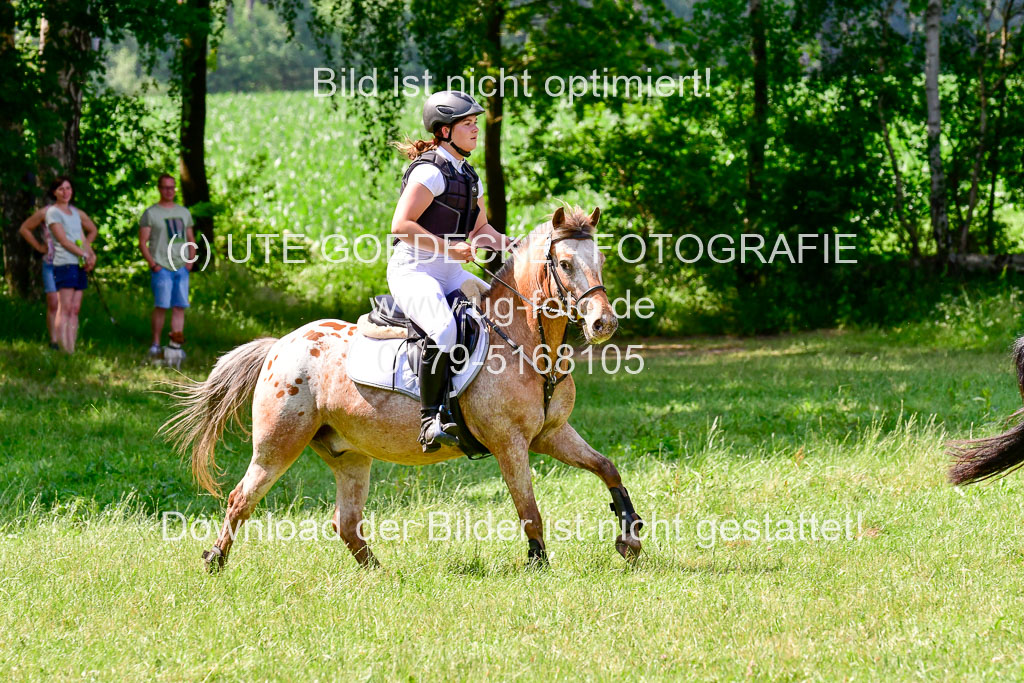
919, 580
811, 246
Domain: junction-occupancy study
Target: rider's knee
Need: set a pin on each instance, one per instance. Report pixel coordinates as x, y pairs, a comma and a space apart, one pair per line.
446, 338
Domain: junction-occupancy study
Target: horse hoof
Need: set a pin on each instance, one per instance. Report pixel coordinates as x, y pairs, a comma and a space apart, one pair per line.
629, 548
366, 559
214, 560
537, 556
538, 562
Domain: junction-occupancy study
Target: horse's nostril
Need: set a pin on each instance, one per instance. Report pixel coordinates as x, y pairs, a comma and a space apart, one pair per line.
598, 326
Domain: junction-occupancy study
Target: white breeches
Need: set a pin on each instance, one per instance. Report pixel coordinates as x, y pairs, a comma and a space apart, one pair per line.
419, 287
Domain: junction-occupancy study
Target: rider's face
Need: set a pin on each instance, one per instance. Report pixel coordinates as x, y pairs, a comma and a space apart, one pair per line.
464, 133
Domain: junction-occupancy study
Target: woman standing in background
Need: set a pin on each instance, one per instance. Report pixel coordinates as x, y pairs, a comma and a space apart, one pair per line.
73, 257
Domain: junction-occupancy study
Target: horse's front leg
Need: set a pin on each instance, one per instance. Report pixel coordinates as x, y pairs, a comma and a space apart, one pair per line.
514, 461
567, 445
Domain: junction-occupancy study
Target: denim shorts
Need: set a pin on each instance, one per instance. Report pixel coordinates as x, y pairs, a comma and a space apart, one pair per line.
49, 285
70, 277
170, 288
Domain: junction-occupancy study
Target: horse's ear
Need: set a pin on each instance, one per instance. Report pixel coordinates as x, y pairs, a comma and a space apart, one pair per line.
595, 217
558, 218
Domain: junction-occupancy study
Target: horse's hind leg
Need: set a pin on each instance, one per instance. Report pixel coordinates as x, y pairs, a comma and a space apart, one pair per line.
567, 445
352, 473
274, 451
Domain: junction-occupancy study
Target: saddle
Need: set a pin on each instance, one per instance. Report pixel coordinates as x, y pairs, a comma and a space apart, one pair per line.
385, 313
387, 351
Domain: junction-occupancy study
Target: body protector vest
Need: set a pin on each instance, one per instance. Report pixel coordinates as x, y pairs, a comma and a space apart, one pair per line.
453, 213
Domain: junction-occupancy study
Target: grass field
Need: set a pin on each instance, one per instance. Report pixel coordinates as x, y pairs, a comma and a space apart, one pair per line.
827, 424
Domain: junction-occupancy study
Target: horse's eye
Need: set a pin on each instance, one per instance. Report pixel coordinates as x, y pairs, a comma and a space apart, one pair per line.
566, 266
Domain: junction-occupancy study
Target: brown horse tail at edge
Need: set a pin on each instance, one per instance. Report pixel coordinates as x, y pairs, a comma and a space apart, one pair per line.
980, 459
207, 406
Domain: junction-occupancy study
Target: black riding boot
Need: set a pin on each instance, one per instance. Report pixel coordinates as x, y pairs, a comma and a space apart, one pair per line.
434, 432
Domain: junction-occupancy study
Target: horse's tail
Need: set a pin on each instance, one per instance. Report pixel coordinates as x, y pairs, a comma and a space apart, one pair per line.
979, 459
207, 406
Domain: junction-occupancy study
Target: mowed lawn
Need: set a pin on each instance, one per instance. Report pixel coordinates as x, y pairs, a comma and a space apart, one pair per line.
926, 583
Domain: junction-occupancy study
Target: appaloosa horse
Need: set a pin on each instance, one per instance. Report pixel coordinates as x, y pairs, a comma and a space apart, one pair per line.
303, 396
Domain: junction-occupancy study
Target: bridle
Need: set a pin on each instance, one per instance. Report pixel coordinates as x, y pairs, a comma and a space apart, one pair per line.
570, 304
568, 308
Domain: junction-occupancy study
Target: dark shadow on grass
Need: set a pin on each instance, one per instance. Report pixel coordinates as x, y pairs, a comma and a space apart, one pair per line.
230, 306
479, 567
718, 566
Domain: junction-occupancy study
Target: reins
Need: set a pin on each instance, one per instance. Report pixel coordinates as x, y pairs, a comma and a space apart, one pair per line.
569, 309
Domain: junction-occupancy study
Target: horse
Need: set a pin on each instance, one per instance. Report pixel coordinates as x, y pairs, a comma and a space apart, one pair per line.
301, 395
993, 456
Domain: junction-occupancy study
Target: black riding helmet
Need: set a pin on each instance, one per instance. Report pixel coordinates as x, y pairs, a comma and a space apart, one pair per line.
446, 108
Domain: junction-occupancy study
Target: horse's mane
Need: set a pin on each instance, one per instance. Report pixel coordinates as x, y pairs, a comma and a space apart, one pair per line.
576, 221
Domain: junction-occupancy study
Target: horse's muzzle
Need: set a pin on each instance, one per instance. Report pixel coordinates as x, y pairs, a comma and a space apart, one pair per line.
601, 329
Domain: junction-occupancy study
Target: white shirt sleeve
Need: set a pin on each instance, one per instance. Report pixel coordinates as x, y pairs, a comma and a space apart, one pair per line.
53, 216
429, 176
479, 188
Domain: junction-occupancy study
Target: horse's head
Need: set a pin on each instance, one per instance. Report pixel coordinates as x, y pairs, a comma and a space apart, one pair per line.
575, 263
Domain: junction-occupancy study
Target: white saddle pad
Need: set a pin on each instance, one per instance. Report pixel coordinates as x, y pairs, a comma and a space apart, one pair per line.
384, 363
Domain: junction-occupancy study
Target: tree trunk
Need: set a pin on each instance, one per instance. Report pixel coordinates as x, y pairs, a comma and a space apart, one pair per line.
999, 95
979, 153
65, 60
15, 202
939, 218
497, 207
972, 195
494, 172
21, 264
758, 139
906, 222
195, 189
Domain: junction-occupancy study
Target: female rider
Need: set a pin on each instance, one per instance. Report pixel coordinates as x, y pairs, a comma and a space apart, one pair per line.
439, 222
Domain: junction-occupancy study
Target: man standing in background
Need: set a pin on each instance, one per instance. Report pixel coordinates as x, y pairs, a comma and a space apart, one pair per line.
163, 229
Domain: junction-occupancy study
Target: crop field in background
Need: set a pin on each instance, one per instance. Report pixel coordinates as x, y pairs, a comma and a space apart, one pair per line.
285, 162
297, 159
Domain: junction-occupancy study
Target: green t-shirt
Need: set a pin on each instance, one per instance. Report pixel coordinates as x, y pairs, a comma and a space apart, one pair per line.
167, 228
